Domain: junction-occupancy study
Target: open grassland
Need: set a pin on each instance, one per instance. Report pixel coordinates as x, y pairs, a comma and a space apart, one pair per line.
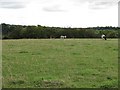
55, 63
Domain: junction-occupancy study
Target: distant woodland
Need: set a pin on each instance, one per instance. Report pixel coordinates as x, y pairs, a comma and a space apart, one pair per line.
45, 32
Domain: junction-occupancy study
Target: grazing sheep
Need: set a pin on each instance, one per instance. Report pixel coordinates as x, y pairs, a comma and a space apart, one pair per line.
65, 36
62, 37
103, 37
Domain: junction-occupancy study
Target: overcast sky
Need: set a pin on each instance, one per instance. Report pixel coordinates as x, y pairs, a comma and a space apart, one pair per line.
62, 13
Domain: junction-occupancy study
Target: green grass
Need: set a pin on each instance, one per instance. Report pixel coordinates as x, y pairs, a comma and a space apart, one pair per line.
55, 63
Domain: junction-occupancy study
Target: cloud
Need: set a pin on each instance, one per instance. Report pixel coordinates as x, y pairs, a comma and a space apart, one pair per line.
92, 4
55, 8
101, 4
13, 4
96, 4
104, 3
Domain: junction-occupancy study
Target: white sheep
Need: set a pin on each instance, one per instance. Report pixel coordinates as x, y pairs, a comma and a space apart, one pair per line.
63, 37
103, 37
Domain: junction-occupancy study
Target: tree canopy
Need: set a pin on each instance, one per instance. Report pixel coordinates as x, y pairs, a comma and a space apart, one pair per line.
22, 31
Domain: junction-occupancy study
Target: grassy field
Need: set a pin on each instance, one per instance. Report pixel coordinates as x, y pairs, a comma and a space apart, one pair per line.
55, 63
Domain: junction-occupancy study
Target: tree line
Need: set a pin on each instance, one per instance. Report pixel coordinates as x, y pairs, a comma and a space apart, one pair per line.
38, 32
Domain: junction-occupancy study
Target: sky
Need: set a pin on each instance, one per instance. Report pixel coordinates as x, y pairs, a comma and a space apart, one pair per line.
60, 13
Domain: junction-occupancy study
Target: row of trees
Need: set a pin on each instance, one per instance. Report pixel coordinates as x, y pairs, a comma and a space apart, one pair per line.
21, 31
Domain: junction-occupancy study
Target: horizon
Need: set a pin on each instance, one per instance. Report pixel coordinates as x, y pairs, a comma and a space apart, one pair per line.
61, 27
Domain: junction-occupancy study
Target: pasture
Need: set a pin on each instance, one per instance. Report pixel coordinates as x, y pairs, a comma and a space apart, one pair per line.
58, 63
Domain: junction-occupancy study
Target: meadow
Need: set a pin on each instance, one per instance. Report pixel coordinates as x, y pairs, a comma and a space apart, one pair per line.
56, 63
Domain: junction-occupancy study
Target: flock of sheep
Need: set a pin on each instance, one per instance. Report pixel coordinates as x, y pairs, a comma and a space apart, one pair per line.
102, 36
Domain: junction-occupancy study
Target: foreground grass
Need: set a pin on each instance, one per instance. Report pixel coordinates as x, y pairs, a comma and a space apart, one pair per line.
70, 63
